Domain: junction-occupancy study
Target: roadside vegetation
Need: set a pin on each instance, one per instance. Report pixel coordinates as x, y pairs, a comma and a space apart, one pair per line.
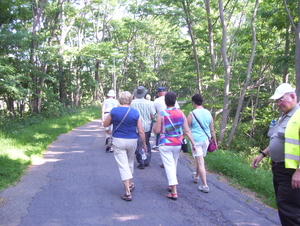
23, 140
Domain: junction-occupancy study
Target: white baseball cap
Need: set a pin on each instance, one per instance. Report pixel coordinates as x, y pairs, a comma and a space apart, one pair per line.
281, 90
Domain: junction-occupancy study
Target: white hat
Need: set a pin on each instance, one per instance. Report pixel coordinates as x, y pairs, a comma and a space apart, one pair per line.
111, 93
281, 90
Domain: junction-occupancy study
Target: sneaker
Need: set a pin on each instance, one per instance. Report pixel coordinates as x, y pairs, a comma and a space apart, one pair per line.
196, 179
107, 148
141, 166
155, 148
204, 189
162, 165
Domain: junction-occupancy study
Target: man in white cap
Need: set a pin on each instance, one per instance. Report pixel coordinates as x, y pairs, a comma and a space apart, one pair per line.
107, 105
147, 112
284, 151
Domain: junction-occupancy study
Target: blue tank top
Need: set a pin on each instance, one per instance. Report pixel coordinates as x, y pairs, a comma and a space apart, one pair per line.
128, 128
205, 118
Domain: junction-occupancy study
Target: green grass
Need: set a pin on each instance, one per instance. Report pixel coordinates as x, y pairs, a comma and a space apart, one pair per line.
25, 140
240, 173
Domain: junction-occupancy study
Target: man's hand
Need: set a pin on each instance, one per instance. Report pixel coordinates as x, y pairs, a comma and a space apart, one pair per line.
296, 179
256, 161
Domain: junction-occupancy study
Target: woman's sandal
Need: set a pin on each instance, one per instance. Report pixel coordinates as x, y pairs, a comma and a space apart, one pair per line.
131, 187
126, 197
172, 196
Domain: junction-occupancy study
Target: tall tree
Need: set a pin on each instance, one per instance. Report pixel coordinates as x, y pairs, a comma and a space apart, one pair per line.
226, 101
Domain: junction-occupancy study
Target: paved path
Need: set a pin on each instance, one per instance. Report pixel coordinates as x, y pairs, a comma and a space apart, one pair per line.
78, 184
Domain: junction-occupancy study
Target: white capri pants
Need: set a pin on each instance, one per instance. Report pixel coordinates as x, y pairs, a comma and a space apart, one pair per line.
169, 156
124, 152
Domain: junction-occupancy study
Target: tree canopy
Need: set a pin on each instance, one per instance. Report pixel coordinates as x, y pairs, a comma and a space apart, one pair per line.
70, 53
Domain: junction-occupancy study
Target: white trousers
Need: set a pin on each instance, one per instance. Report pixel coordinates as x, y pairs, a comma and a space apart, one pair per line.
124, 152
169, 156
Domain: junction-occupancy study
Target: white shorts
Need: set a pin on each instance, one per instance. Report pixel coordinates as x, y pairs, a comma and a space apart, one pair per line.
201, 148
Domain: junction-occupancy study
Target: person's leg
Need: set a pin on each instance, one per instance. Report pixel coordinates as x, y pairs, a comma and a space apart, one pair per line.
147, 161
138, 154
167, 157
287, 198
131, 145
124, 155
200, 169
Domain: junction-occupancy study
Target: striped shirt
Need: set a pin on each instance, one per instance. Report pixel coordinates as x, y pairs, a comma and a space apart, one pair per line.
169, 135
146, 110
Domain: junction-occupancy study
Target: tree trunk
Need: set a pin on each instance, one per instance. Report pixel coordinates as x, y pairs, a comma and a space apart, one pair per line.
210, 41
285, 72
38, 82
226, 102
247, 82
297, 49
186, 8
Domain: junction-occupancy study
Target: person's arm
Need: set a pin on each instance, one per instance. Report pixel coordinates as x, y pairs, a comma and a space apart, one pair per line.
187, 132
189, 119
107, 121
103, 110
142, 134
157, 124
258, 158
296, 176
212, 131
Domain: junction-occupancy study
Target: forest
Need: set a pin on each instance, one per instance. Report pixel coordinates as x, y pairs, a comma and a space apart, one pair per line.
70, 53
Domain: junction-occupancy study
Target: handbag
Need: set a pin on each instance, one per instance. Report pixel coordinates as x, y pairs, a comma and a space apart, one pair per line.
184, 145
109, 139
212, 145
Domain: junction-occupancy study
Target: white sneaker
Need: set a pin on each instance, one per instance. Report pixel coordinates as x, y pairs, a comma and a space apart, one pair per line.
196, 179
204, 189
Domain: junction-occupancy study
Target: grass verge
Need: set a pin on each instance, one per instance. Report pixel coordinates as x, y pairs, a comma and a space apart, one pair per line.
23, 140
239, 172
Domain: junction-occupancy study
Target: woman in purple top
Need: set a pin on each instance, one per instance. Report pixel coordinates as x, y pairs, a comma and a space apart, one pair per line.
125, 139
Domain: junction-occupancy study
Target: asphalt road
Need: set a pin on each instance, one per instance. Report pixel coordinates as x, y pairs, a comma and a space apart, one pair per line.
78, 184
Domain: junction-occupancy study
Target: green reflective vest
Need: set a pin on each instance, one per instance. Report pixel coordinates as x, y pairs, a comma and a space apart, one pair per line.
292, 141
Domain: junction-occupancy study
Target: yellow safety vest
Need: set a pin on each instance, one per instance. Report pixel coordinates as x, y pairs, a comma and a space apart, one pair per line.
292, 141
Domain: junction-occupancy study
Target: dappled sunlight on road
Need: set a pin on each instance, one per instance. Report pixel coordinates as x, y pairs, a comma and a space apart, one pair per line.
128, 217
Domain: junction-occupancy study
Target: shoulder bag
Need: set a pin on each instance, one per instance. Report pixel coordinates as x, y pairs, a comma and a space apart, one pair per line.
212, 145
109, 139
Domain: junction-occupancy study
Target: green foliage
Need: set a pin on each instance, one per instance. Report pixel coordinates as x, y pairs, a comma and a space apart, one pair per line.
234, 166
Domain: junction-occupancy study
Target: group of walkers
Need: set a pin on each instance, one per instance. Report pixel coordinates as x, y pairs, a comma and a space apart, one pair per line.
132, 121
171, 125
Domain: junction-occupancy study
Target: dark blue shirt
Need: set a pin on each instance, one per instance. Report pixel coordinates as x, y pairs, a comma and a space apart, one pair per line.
128, 128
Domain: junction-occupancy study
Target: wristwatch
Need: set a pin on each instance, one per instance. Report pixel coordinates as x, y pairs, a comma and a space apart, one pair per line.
264, 154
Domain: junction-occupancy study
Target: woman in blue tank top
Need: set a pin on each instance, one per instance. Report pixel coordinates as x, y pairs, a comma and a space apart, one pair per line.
200, 138
125, 135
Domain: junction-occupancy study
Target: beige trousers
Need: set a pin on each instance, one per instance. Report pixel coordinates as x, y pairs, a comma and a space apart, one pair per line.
124, 152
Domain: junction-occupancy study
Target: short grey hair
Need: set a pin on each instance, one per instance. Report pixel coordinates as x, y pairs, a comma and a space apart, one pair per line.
125, 97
